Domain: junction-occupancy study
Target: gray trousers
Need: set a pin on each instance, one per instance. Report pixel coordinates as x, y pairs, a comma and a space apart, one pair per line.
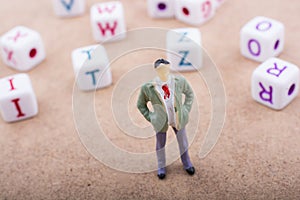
183, 148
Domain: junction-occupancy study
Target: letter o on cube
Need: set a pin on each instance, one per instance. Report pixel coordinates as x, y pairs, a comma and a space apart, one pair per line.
262, 38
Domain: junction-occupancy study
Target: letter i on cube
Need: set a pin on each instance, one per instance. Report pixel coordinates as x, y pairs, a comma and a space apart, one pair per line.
161, 8
108, 22
275, 83
91, 67
17, 98
68, 8
194, 12
262, 38
22, 48
184, 49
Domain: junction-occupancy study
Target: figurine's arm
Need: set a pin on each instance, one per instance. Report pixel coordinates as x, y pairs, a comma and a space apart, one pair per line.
142, 104
189, 95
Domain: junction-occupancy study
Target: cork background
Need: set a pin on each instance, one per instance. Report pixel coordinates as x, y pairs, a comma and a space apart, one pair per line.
257, 155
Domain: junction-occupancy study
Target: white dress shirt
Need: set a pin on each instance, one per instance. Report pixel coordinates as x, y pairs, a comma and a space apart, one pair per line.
168, 102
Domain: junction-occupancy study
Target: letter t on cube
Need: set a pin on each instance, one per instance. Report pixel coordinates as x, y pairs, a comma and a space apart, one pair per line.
91, 67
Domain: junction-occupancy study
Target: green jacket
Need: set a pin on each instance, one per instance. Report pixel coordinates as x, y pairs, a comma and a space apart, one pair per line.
159, 117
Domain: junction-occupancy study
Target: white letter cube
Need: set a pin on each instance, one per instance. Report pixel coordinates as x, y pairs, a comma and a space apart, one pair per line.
107, 20
91, 67
17, 98
68, 8
275, 83
22, 48
262, 38
161, 8
218, 3
194, 12
184, 49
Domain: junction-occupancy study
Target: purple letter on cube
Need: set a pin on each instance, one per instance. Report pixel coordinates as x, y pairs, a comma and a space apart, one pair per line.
264, 26
250, 47
276, 71
266, 95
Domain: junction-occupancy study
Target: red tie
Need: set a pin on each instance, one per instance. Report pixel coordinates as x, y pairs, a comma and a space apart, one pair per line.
166, 90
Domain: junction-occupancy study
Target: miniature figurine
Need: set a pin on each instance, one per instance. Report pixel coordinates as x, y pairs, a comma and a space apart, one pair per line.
165, 94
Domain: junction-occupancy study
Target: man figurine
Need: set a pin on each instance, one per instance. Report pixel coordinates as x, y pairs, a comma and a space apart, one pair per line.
165, 94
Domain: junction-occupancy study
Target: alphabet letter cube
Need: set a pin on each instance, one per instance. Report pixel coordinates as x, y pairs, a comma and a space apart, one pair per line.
262, 38
161, 8
22, 48
184, 49
275, 83
194, 12
68, 8
107, 20
218, 3
91, 67
17, 98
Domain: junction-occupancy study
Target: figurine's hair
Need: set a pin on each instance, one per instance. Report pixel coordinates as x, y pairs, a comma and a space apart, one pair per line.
161, 61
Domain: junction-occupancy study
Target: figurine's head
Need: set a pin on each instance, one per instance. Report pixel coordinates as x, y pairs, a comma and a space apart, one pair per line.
162, 68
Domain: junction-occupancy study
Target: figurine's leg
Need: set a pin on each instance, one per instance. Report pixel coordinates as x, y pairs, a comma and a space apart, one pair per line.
160, 152
183, 148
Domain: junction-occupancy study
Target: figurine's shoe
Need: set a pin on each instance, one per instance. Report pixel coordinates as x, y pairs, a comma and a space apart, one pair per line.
161, 173
161, 176
190, 171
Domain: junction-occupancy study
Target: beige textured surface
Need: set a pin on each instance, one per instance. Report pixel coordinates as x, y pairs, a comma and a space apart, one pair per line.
257, 156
